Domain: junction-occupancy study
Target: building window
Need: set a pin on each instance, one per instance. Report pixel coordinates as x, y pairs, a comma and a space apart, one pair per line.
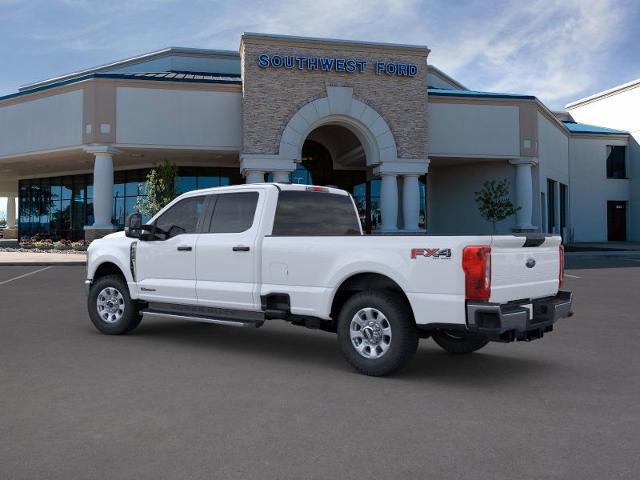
551, 206
563, 207
616, 161
60, 207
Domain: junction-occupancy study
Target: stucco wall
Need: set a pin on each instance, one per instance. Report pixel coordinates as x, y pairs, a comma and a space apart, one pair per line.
620, 111
452, 197
194, 118
590, 189
43, 124
553, 158
271, 96
465, 129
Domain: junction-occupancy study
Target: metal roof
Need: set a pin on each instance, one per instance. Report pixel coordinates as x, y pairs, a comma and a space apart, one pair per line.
186, 77
445, 92
133, 60
575, 127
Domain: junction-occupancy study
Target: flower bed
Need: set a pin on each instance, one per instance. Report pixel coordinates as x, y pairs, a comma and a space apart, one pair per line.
40, 245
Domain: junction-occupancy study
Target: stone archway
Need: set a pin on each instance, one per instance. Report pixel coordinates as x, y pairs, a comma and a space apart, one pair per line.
340, 108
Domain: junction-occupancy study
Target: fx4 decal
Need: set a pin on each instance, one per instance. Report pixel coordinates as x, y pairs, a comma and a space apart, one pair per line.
431, 252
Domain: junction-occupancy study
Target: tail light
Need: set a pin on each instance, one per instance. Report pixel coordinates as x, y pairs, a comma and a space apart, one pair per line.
561, 270
476, 263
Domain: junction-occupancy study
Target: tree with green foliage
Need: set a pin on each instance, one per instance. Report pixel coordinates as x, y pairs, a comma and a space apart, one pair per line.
160, 188
494, 202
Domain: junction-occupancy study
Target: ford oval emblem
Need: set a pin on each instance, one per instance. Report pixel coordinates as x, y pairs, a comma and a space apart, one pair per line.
530, 263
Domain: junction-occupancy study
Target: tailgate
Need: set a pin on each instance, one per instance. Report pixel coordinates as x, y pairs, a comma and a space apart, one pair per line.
524, 267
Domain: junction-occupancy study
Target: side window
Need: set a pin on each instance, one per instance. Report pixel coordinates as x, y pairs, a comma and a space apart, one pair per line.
305, 213
234, 212
182, 217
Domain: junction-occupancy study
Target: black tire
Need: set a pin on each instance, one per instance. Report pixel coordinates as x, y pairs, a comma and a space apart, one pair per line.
402, 343
453, 343
125, 319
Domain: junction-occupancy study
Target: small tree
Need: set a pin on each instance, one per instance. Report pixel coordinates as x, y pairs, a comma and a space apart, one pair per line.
494, 203
160, 188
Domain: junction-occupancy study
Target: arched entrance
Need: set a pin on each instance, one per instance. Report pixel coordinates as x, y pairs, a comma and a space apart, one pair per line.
341, 141
333, 155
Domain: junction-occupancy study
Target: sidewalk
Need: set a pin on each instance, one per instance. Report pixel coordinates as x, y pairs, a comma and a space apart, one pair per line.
37, 259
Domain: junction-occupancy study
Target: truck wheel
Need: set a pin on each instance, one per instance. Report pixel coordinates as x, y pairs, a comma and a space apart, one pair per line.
376, 332
459, 344
110, 307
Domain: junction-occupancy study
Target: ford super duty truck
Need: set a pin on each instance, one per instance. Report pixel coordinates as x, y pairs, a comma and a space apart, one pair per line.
248, 254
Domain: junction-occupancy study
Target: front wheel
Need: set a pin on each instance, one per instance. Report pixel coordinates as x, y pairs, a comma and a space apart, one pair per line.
110, 307
376, 332
459, 344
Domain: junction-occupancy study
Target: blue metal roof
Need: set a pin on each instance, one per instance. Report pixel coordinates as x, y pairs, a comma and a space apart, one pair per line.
445, 92
575, 127
187, 77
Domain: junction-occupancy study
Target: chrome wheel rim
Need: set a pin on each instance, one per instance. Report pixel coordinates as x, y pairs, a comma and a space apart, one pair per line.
110, 305
370, 333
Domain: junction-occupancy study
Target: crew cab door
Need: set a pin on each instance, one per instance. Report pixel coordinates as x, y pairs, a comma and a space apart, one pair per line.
166, 265
227, 253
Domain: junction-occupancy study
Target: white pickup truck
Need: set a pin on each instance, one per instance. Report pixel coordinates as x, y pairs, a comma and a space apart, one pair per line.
244, 255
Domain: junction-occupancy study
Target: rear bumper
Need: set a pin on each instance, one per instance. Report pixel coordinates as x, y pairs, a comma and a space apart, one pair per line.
508, 322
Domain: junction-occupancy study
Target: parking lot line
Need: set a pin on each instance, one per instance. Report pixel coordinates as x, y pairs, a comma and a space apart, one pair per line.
25, 275
572, 276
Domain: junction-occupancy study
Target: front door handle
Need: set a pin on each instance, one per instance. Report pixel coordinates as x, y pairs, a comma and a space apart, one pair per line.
185, 248
240, 248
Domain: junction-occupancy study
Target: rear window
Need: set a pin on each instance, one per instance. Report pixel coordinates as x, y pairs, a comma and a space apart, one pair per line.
315, 213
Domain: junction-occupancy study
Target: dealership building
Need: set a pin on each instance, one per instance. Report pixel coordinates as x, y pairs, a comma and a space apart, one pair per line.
410, 143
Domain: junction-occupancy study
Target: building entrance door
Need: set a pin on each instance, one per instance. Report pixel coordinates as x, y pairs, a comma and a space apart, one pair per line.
617, 221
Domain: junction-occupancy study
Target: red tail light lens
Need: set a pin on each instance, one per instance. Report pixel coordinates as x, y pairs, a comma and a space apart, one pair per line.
561, 271
476, 263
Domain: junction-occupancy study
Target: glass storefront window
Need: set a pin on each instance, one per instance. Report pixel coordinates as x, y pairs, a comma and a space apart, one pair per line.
60, 207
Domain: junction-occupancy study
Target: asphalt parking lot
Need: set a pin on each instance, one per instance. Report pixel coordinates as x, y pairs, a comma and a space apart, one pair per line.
186, 400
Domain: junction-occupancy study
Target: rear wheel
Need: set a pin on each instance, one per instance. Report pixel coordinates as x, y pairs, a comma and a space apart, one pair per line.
459, 344
376, 332
110, 307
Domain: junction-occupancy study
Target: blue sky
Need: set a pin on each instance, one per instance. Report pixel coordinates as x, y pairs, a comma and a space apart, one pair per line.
558, 50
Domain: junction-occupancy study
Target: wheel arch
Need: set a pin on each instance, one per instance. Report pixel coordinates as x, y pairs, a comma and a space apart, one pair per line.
108, 268
362, 281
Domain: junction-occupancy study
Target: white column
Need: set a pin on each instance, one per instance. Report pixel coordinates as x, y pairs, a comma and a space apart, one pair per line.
102, 186
254, 176
11, 212
524, 192
281, 177
410, 202
389, 202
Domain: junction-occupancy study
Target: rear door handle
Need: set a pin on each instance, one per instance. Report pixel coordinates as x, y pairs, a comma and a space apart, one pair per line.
240, 248
184, 248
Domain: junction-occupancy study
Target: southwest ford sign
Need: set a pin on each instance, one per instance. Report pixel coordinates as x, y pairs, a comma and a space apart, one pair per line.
334, 64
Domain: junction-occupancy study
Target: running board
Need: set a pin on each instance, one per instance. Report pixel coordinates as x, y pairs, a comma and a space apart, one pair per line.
201, 318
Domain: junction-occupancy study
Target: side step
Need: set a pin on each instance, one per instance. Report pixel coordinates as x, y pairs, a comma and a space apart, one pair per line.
204, 314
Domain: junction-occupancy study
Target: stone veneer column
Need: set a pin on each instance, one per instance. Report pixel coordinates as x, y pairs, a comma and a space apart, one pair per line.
102, 191
524, 192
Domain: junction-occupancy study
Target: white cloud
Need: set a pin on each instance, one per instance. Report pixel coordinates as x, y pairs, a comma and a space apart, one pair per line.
553, 49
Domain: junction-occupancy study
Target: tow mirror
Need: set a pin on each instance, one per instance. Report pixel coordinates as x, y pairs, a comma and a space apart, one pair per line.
133, 225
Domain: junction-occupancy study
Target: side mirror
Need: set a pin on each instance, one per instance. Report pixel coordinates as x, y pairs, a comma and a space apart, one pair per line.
133, 225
